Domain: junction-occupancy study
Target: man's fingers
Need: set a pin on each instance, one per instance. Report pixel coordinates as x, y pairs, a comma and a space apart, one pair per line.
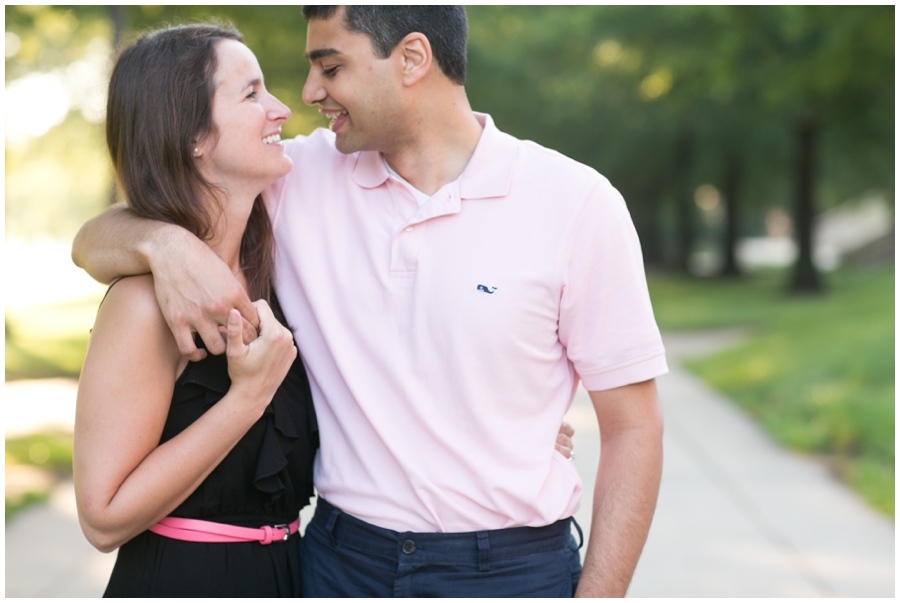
185, 340
248, 310
250, 333
567, 429
212, 338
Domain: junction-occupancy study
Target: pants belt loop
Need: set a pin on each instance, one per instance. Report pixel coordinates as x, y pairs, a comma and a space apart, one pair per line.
329, 526
580, 533
484, 552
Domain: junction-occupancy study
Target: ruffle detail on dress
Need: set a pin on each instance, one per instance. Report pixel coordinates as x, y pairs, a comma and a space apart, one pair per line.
286, 421
211, 373
287, 418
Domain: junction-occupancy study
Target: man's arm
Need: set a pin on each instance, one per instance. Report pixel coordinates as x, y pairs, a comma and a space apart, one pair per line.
626, 489
194, 287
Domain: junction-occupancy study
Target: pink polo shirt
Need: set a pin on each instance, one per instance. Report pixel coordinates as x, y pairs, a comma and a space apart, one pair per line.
444, 343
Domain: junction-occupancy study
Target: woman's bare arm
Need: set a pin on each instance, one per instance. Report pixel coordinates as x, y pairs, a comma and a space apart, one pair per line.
124, 481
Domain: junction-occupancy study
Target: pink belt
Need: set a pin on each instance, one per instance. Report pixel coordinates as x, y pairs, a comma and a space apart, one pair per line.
197, 530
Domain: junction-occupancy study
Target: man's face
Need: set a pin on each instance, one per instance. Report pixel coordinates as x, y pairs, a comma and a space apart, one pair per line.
358, 91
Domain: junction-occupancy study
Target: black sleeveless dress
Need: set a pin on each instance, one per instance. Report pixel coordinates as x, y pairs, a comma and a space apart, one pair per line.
265, 480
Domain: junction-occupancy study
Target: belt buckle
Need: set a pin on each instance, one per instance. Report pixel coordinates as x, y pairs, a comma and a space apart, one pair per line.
286, 528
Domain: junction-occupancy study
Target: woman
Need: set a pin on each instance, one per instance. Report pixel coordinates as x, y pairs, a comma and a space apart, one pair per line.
194, 139
161, 443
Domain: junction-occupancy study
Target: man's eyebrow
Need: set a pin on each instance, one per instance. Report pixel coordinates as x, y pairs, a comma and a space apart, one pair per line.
317, 54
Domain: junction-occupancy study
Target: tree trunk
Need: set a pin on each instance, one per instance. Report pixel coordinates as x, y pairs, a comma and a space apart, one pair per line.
805, 278
731, 191
684, 200
118, 16
645, 210
652, 244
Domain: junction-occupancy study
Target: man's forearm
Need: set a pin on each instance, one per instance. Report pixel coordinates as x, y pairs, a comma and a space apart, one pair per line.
118, 243
194, 287
625, 497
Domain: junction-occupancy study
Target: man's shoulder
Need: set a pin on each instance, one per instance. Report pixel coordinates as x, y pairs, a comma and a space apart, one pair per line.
565, 174
320, 144
553, 162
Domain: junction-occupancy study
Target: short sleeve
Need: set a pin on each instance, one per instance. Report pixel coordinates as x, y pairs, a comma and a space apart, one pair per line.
606, 320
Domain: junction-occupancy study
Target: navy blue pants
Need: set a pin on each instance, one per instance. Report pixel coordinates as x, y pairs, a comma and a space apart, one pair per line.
342, 556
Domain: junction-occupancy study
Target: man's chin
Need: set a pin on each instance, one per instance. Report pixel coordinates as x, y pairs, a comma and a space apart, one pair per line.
346, 145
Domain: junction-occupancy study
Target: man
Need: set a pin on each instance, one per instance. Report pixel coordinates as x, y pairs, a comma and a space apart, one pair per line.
448, 285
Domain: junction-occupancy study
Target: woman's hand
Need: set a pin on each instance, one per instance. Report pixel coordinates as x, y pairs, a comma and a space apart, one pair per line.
125, 480
258, 368
564, 443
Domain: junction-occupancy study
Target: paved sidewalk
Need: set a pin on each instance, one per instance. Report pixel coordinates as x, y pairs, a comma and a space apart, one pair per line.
740, 517
737, 516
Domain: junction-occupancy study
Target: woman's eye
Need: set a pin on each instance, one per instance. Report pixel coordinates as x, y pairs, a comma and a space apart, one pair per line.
252, 94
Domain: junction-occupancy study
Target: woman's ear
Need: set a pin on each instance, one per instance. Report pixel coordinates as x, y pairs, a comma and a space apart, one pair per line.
415, 52
201, 145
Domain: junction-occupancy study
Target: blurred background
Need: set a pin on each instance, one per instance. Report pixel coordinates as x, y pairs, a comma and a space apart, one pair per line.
754, 146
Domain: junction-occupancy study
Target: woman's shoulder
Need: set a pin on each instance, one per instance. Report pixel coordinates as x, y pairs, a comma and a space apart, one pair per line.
130, 310
132, 294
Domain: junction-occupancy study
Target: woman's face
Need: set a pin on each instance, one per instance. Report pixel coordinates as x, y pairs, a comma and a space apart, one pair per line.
244, 154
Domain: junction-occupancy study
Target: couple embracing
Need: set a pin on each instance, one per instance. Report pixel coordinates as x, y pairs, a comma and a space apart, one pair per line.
447, 286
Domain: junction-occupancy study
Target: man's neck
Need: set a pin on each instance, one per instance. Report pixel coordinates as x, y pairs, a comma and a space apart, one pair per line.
437, 153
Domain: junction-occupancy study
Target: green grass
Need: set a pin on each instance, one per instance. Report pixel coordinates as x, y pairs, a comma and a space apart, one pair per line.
48, 341
44, 341
50, 453
20, 502
44, 358
816, 371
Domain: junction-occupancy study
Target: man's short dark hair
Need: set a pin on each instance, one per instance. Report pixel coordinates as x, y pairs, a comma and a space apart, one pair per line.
445, 27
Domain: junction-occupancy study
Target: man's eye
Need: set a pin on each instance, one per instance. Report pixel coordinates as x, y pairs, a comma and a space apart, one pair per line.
330, 71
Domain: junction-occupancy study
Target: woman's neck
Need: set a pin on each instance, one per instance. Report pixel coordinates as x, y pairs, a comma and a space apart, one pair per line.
228, 227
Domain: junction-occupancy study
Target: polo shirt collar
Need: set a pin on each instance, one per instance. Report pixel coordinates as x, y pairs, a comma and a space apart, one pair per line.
488, 173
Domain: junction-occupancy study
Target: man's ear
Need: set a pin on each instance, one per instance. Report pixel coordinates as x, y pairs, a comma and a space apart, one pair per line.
415, 53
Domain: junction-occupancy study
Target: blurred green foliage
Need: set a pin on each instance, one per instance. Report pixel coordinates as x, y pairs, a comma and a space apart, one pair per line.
817, 372
659, 99
49, 453
39, 358
49, 340
18, 502
662, 99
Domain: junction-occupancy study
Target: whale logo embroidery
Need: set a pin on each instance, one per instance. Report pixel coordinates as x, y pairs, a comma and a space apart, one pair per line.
488, 290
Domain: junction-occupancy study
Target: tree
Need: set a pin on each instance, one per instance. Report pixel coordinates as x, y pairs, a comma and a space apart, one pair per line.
822, 68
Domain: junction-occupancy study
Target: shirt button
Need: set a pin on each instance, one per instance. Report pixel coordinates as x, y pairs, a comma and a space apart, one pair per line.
408, 547
409, 229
